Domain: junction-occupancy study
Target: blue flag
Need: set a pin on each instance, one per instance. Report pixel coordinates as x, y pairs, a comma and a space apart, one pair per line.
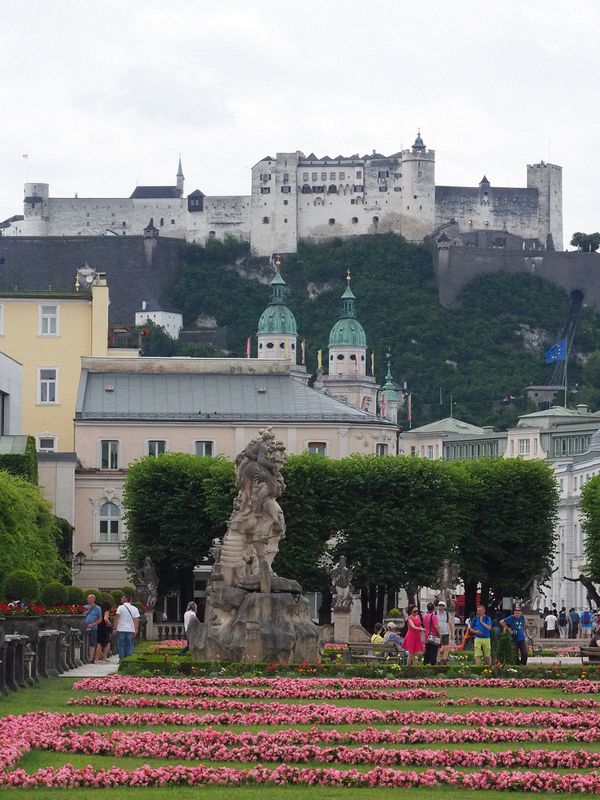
558, 352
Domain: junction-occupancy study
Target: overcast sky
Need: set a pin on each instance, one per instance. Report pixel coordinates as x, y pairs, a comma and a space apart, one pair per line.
104, 95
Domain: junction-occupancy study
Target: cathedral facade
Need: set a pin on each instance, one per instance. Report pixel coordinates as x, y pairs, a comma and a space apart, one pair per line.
308, 198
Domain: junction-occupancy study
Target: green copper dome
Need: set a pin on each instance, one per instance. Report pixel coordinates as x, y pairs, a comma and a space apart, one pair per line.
277, 318
348, 330
389, 387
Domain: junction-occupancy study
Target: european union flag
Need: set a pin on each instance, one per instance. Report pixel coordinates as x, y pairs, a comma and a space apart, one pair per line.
558, 352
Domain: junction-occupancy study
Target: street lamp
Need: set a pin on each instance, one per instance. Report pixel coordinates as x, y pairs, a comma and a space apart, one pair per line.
78, 560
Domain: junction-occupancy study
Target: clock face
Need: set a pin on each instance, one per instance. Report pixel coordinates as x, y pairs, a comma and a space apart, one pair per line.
86, 276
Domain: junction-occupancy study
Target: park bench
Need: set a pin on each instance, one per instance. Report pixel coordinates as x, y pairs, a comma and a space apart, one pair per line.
368, 651
591, 653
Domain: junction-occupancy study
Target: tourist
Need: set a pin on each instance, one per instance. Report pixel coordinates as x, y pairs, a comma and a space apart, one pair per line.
432, 636
190, 612
104, 634
586, 623
412, 641
391, 635
573, 623
93, 615
378, 631
516, 625
481, 626
563, 623
595, 642
551, 625
444, 628
127, 621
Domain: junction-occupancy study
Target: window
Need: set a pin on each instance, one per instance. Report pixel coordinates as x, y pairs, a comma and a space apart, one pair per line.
156, 447
286, 177
524, 447
331, 221
332, 176
109, 454
47, 385
48, 320
203, 448
172, 222
162, 221
212, 234
305, 176
381, 449
342, 176
375, 220
383, 188
358, 174
46, 444
109, 519
265, 190
323, 176
358, 187
429, 451
265, 220
354, 220
383, 173
315, 176
317, 448
286, 189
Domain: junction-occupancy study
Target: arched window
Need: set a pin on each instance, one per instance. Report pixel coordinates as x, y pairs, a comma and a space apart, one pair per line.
331, 221
354, 220
109, 521
340, 357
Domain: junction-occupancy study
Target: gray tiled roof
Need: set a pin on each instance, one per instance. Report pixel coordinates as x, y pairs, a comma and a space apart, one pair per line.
155, 192
210, 396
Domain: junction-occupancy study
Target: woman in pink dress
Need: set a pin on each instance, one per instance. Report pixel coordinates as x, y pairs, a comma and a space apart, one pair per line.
413, 643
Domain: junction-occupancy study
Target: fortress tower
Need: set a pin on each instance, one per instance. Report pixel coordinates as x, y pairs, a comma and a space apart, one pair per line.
36, 212
547, 179
418, 191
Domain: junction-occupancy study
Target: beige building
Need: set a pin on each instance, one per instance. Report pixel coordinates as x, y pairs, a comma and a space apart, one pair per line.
130, 408
48, 333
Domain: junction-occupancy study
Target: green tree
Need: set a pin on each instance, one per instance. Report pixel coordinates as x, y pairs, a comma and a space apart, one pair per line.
172, 514
28, 531
511, 505
400, 518
590, 520
586, 242
157, 341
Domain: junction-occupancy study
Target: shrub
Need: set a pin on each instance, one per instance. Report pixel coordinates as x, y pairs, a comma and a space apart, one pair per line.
54, 594
117, 594
75, 596
394, 612
105, 597
21, 585
130, 590
506, 650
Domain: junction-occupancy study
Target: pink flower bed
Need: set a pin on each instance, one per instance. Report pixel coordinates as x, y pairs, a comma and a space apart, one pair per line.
515, 702
168, 644
292, 687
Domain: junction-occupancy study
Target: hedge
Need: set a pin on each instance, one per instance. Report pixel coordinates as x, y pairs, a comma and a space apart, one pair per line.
23, 465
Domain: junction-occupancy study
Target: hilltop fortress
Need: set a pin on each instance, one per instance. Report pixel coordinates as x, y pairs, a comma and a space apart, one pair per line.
296, 197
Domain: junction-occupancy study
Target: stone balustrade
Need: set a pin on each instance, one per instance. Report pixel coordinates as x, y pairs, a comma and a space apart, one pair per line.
38, 647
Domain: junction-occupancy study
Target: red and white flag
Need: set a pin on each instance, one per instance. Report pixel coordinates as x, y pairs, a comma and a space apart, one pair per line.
248, 347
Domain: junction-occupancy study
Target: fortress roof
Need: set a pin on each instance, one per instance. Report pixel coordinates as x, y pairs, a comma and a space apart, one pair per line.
155, 192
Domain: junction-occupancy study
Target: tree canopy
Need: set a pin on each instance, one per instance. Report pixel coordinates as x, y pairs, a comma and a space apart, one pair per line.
590, 520
586, 242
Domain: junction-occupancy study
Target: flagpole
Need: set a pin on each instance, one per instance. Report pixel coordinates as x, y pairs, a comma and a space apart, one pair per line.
566, 360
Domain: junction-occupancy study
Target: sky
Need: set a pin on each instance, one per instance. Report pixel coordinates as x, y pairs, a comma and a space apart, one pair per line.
104, 95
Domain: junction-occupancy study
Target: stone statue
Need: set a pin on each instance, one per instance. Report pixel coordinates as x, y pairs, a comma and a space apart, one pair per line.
533, 601
253, 614
257, 519
592, 592
341, 578
148, 582
446, 581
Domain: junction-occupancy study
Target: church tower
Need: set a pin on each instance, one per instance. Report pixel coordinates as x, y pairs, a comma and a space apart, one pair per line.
347, 378
389, 398
180, 178
277, 332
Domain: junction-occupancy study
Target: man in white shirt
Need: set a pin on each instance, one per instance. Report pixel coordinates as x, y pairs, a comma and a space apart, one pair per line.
551, 623
190, 612
127, 621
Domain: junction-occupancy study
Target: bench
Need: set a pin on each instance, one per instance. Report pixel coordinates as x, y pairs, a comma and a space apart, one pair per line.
368, 651
591, 653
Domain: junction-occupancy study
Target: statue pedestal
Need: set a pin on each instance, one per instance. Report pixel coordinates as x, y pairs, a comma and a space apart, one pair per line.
532, 624
254, 626
341, 626
151, 629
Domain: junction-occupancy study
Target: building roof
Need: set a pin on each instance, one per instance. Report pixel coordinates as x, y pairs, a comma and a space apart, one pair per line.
556, 415
449, 425
198, 397
13, 445
155, 193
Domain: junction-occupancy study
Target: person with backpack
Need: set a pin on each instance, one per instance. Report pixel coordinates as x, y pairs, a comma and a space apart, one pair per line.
563, 623
573, 623
586, 620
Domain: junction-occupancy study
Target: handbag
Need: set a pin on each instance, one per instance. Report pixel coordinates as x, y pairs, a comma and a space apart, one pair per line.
431, 639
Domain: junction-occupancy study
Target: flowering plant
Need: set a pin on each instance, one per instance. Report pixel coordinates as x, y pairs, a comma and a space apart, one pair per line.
28, 609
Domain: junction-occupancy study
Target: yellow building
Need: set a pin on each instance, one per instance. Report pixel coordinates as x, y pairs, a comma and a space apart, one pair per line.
48, 333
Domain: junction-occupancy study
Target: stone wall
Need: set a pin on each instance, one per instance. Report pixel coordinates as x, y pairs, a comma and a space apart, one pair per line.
137, 269
458, 266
